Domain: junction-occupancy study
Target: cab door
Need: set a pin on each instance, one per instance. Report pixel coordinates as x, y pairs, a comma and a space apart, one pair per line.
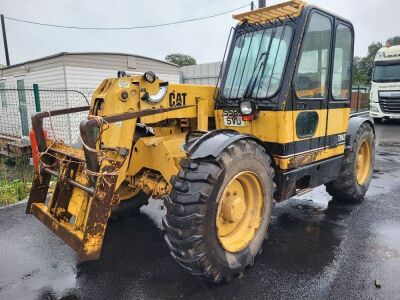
311, 85
340, 91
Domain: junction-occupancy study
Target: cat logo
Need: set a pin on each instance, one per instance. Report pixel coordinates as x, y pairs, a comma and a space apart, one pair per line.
178, 99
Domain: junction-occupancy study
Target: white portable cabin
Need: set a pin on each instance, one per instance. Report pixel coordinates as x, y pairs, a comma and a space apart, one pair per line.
73, 73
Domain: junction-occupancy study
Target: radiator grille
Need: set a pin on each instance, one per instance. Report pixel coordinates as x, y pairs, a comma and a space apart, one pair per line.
390, 102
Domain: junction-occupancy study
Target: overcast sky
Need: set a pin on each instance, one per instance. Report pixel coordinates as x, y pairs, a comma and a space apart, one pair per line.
204, 40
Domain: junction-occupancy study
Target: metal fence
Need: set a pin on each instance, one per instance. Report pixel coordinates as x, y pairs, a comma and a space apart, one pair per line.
17, 105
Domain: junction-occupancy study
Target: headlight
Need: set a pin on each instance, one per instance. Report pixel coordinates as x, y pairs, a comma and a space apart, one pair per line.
373, 108
246, 108
149, 76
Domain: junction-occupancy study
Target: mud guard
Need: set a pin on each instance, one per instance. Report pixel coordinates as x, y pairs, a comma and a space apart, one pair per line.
201, 145
354, 125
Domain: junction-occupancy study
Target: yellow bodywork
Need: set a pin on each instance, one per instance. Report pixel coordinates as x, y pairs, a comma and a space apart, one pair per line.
280, 127
130, 164
161, 152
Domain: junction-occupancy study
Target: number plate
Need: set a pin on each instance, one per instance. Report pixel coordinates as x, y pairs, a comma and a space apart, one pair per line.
232, 118
395, 117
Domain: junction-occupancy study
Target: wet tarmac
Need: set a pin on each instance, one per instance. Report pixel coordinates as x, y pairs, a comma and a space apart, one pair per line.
315, 250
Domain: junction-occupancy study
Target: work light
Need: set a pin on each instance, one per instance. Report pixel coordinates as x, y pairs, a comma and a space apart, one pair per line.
149, 76
246, 108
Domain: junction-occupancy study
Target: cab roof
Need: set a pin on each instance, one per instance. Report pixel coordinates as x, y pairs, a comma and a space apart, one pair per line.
388, 53
283, 10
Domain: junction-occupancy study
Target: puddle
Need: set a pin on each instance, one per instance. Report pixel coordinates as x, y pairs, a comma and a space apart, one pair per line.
155, 210
388, 236
389, 143
381, 153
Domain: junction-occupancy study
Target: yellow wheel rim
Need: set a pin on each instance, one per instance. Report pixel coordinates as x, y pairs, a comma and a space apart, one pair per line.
240, 211
363, 162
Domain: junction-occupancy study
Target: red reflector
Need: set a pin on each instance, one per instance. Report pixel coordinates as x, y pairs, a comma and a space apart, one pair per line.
34, 147
248, 118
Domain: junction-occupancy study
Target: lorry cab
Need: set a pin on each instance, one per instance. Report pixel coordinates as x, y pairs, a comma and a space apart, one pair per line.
385, 85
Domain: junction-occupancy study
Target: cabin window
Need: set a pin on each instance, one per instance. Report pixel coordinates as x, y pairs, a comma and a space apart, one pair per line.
258, 57
386, 71
342, 63
306, 124
312, 74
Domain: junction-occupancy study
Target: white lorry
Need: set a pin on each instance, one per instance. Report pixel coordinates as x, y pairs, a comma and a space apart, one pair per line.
385, 85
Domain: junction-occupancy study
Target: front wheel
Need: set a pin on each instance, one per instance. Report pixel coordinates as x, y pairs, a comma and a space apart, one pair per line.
219, 211
356, 169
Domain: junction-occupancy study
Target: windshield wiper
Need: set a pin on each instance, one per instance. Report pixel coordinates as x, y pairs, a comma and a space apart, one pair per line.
253, 79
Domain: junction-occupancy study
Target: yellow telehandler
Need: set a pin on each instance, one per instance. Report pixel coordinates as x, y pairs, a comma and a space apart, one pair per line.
277, 125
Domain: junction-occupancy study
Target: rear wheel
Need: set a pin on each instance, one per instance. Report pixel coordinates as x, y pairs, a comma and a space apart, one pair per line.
356, 169
219, 211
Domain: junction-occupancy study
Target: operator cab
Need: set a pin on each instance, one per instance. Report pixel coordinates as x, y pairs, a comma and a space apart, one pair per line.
287, 57
287, 82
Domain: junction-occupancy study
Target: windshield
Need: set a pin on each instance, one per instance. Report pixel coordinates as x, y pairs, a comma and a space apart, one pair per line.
387, 73
249, 53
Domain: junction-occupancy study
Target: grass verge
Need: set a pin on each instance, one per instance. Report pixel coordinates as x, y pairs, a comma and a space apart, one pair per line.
12, 192
15, 179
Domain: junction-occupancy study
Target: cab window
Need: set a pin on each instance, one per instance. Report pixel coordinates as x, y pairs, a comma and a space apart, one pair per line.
312, 74
342, 63
250, 51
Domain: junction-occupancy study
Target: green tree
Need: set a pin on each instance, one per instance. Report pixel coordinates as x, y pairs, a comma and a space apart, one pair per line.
373, 49
362, 66
394, 41
180, 59
359, 76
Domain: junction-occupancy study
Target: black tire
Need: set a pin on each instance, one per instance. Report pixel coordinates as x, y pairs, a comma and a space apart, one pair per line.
346, 188
130, 206
190, 221
378, 120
